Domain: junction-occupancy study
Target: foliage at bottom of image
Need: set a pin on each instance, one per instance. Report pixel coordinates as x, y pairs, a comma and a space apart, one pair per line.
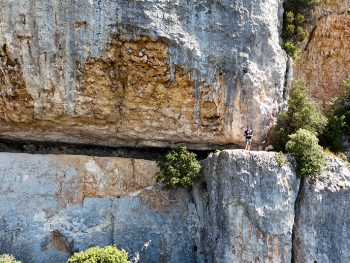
5, 258
310, 156
108, 254
178, 168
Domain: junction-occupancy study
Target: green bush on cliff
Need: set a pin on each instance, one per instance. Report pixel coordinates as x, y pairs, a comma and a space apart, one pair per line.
339, 120
302, 113
291, 49
108, 254
5, 258
294, 24
310, 156
178, 168
281, 159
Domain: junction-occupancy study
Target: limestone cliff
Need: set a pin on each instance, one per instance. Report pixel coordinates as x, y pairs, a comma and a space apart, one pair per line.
53, 205
140, 73
245, 209
322, 224
325, 62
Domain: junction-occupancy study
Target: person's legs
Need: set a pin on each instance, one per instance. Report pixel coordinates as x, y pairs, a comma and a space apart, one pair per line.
249, 143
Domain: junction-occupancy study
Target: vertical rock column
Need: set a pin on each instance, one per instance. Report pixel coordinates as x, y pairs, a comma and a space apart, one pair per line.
250, 207
322, 224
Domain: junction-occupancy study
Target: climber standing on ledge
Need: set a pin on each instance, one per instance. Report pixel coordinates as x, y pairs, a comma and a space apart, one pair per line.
248, 134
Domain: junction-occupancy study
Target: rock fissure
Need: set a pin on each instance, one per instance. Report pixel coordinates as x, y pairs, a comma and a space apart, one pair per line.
295, 244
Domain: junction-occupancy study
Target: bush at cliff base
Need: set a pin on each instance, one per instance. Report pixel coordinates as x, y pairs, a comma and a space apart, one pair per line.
178, 168
302, 113
310, 157
5, 258
109, 254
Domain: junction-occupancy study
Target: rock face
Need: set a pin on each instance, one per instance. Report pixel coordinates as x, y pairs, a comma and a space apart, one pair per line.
322, 223
246, 208
144, 73
250, 208
325, 62
52, 206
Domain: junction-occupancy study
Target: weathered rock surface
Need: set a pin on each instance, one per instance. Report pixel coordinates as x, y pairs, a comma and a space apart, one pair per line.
249, 213
322, 226
140, 72
325, 62
245, 209
51, 206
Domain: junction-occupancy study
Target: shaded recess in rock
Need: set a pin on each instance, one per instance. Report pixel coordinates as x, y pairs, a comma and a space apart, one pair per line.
147, 153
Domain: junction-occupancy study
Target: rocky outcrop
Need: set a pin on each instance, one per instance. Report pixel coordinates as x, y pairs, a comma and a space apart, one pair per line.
325, 62
144, 73
249, 212
55, 205
322, 223
52, 206
246, 208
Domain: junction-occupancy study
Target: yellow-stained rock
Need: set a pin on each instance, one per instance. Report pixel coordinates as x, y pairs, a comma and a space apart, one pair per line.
325, 62
101, 177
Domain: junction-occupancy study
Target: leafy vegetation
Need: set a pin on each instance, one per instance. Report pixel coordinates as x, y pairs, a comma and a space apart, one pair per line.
178, 168
109, 254
339, 120
310, 157
280, 159
294, 24
302, 113
5, 258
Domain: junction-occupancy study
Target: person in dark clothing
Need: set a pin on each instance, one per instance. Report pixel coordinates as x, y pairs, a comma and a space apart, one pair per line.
248, 134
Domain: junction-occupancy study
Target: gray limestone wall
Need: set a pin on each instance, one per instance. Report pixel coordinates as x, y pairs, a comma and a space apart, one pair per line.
246, 208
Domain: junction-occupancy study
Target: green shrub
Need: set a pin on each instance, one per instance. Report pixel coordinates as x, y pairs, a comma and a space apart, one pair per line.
340, 106
310, 157
290, 30
108, 254
178, 168
289, 17
302, 112
300, 19
332, 137
301, 33
339, 120
291, 49
5, 258
294, 24
280, 159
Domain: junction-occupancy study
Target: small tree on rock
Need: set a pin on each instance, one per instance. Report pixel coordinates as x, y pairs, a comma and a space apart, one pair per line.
310, 157
302, 113
178, 168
